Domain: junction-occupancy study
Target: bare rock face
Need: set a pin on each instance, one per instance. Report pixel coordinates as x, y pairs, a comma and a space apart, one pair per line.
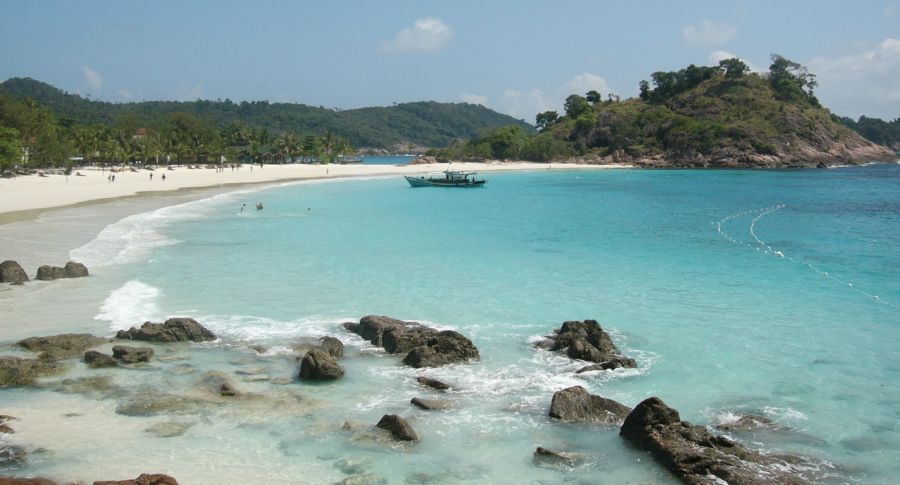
144, 479
15, 371
588, 341
576, 404
697, 456
65, 346
398, 427
173, 330
132, 355
318, 365
11, 272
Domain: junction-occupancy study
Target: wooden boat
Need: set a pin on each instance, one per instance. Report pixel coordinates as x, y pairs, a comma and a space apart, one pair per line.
446, 179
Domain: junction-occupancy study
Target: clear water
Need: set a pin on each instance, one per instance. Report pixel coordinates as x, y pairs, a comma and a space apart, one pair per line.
736, 291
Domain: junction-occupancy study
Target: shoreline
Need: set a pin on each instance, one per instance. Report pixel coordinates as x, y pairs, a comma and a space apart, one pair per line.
26, 197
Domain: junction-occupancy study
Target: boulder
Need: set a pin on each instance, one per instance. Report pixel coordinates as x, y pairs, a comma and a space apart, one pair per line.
398, 427
97, 360
447, 347
144, 479
697, 456
173, 330
372, 327
15, 371
11, 272
76, 270
47, 273
318, 365
431, 404
332, 347
432, 383
586, 340
65, 346
545, 456
132, 355
403, 339
576, 404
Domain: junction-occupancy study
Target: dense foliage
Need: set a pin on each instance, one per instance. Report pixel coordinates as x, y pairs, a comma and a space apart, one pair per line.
876, 130
420, 123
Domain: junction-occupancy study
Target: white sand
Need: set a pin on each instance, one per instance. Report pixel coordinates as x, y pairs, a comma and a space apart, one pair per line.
34, 192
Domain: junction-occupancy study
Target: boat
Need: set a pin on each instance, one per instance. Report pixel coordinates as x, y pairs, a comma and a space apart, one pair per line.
447, 178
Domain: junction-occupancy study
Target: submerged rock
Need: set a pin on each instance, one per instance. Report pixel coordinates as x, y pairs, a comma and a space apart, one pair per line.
616, 363
152, 404
15, 371
543, 457
747, 422
576, 404
169, 429
695, 455
431, 404
447, 347
65, 346
97, 387
144, 479
97, 360
398, 427
132, 355
11, 272
588, 341
318, 365
432, 383
173, 330
219, 384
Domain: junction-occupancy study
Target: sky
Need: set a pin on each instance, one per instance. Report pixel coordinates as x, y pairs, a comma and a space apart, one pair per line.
517, 57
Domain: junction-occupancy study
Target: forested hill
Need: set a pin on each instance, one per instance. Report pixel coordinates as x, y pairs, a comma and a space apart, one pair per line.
424, 123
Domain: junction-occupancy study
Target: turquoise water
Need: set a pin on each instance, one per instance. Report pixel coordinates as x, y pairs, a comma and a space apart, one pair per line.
765, 292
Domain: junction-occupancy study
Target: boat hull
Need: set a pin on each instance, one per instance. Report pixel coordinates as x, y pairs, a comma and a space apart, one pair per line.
424, 182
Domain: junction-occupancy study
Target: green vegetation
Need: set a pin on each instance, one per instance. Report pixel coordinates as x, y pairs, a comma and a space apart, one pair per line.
876, 130
698, 116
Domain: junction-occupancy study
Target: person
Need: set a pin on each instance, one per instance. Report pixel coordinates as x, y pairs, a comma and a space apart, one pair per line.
113, 178
164, 177
243, 207
259, 206
151, 175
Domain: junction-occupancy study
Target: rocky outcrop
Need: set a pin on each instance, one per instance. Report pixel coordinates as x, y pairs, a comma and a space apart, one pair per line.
15, 371
26, 481
402, 340
318, 365
132, 355
431, 404
432, 383
447, 347
98, 360
332, 346
11, 272
65, 346
173, 330
587, 341
697, 456
425, 160
398, 427
144, 479
71, 270
576, 404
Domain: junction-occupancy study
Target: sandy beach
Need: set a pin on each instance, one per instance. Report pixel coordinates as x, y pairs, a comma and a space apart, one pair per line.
30, 193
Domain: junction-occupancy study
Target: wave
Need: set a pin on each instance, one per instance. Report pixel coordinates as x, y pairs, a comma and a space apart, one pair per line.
132, 303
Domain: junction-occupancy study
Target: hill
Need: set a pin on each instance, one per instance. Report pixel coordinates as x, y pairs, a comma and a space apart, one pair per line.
720, 116
420, 123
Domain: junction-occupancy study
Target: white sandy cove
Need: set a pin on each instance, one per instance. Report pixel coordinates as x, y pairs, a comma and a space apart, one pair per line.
34, 192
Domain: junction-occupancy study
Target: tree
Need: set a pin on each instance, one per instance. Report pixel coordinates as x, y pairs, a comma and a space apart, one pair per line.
734, 68
576, 105
10, 147
593, 96
545, 120
644, 90
792, 80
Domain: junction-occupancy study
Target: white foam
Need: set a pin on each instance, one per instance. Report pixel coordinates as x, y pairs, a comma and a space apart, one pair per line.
251, 328
132, 303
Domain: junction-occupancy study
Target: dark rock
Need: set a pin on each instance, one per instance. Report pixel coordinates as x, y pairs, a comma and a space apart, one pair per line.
697, 456
47, 273
447, 347
5, 428
332, 347
26, 481
219, 383
545, 456
403, 339
432, 404
398, 427
318, 365
747, 422
173, 330
587, 341
617, 363
15, 371
372, 327
132, 355
11, 272
432, 383
576, 404
65, 346
97, 360
144, 479
76, 270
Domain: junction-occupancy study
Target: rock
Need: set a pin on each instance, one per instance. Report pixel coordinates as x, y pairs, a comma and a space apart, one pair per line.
332, 346
76, 270
318, 365
173, 330
132, 355
365, 479
447, 347
399, 340
96, 387
47, 273
576, 404
588, 341
398, 427
26, 481
15, 371
144, 479
6, 429
617, 363
372, 327
747, 422
153, 403
11, 272
432, 404
697, 456
354, 466
65, 346
424, 160
12, 456
543, 455
432, 383
219, 384
169, 429
97, 360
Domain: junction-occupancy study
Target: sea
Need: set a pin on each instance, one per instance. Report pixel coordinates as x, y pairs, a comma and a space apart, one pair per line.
767, 292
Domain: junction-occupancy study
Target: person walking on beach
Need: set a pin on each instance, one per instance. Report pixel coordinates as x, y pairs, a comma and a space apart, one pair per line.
164, 177
243, 207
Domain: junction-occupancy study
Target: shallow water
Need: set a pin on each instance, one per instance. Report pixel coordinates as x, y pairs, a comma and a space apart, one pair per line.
736, 291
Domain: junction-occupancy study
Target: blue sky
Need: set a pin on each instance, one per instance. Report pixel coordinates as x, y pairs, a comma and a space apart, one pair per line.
516, 57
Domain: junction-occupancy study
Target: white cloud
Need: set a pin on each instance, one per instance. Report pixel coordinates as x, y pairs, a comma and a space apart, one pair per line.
709, 33
716, 56
426, 34
585, 82
865, 81
526, 104
125, 94
93, 78
474, 99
